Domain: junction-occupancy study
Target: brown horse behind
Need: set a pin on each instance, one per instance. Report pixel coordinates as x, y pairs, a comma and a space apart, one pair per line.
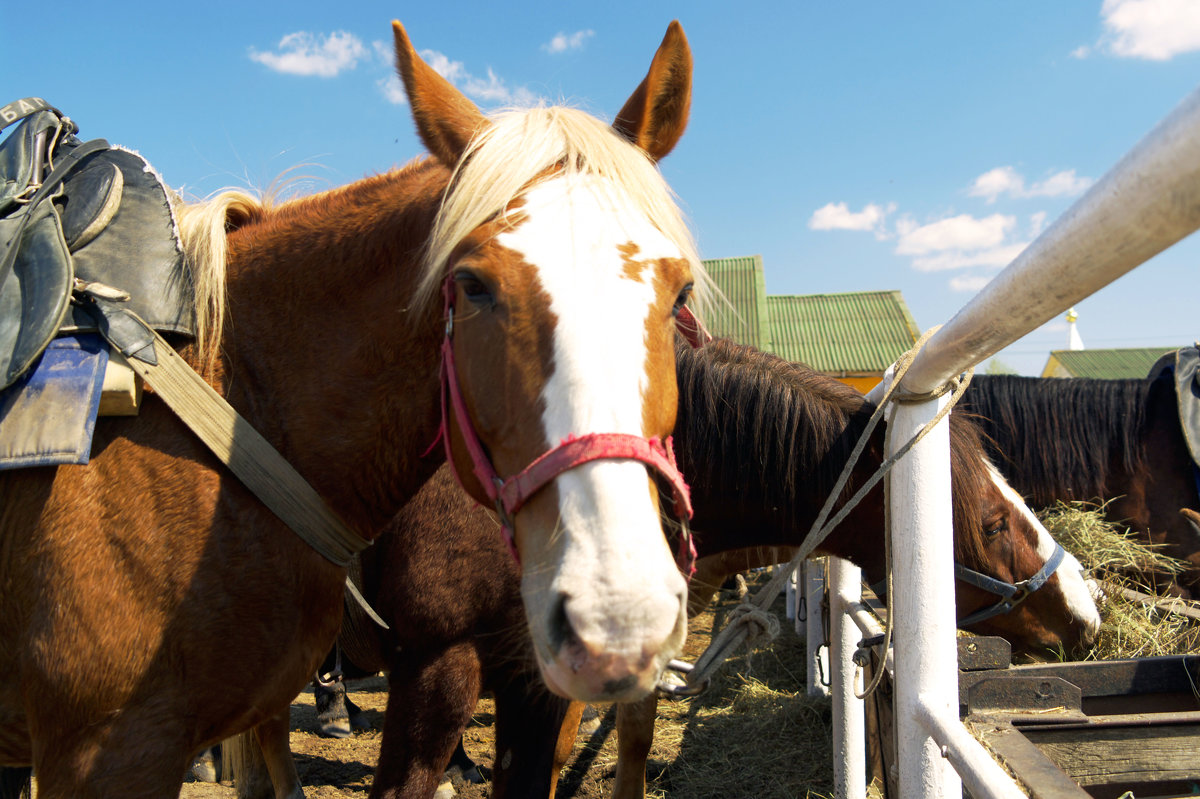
1117, 443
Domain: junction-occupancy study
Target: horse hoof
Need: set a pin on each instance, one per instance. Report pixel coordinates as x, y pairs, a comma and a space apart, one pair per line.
335, 729
444, 791
471, 775
589, 722
204, 768
359, 722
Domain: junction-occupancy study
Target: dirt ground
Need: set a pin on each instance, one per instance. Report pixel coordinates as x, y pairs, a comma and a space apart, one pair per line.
753, 734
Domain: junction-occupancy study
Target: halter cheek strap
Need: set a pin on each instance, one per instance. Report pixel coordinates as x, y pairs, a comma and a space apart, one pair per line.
510, 495
1011, 594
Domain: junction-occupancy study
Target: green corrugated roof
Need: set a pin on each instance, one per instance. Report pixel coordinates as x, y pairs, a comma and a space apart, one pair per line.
744, 317
1110, 364
860, 332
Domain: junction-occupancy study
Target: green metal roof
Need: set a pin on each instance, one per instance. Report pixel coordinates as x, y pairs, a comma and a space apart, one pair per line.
742, 314
1109, 364
860, 332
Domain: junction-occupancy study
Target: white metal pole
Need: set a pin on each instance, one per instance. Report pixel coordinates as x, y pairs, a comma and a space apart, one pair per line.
922, 606
818, 655
849, 719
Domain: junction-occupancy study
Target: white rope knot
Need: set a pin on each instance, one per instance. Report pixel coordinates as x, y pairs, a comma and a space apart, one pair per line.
760, 626
954, 384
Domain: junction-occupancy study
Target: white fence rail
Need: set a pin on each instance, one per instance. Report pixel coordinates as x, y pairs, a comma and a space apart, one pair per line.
1147, 202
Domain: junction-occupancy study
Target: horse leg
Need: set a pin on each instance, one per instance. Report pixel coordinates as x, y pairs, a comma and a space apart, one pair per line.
430, 702
635, 734
535, 734
272, 736
260, 763
565, 745
333, 717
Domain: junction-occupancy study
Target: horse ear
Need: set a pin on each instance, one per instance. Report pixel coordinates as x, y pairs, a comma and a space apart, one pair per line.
656, 114
446, 120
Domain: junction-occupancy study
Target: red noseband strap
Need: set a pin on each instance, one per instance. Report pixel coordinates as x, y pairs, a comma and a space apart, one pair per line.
511, 494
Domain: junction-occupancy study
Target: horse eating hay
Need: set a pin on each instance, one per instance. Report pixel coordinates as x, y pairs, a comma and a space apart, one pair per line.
129, 580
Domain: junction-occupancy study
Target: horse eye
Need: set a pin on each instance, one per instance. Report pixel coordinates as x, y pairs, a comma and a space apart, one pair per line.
682, 299
995, 529
475, 290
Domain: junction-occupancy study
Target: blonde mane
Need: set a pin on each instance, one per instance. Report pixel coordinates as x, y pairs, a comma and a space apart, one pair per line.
524, 146
514, 152
203, 227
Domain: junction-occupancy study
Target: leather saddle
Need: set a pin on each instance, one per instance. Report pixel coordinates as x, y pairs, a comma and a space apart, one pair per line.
78, 215
1183, 368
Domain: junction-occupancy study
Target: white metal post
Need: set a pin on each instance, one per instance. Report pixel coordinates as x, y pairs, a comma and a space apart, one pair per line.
849, 718
818, 655
922, 604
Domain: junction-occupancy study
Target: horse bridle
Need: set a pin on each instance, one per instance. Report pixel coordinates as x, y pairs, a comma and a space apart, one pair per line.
1011, 594
510, 495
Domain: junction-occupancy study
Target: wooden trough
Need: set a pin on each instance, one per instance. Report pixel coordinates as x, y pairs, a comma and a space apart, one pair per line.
1099, 729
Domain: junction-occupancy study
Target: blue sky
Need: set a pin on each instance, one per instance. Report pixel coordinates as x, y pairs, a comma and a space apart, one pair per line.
855, 146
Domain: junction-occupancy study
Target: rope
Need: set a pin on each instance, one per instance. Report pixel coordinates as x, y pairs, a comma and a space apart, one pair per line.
746, 625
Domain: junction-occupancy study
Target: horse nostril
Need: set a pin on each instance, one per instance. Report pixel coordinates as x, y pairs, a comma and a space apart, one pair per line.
561, 631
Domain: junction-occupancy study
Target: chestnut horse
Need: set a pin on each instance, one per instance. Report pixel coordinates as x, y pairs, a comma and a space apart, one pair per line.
763, 441
129, 581
1117, 443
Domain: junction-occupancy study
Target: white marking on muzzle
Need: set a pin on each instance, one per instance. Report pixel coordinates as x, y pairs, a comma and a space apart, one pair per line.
1078, 595
624, 591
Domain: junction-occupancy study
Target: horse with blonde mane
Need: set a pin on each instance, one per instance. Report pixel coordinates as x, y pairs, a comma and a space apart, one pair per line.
451, 298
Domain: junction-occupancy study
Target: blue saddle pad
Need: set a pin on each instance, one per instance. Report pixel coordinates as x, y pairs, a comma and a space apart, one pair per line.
48, 416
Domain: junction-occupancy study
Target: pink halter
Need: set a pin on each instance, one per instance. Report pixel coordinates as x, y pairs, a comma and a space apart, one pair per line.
511, 494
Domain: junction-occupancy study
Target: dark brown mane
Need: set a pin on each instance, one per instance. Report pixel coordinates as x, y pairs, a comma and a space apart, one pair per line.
1060, 437
762, 428
772, 434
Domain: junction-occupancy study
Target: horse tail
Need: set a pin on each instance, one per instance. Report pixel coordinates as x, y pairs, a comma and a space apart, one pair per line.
203, 230
242, 763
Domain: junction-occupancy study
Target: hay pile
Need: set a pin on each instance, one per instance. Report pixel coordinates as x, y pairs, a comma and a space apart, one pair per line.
754, 733
1137, 618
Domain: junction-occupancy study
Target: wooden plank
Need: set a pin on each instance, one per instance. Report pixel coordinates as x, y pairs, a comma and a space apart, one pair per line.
1040, 775
1106, 755
1167, 674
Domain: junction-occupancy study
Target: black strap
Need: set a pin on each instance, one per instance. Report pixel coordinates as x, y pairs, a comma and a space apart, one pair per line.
26, 106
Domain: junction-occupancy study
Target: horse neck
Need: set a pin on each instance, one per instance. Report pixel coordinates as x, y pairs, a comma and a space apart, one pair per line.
762, 442
323, 353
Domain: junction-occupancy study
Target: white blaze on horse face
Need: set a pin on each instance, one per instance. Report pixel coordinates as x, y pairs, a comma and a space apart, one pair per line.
620, 590
1075, 589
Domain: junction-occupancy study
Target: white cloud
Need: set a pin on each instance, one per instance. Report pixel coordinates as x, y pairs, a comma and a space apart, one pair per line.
303, 53
491, 89
993, 183
392, 89
563, 42
1156, 30
962, 232
1037, 223
836, 216
1081, 52
1061, 184
971, 283
1006, 180
1000, 255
